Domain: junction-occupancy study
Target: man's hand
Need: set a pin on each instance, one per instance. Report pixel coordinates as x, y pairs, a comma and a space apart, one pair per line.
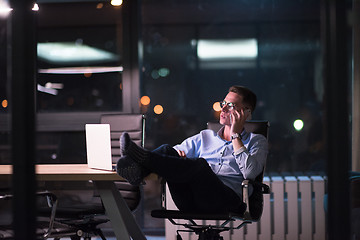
237, 119
181, 153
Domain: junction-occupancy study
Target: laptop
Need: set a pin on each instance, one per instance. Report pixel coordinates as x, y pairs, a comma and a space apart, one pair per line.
98, 147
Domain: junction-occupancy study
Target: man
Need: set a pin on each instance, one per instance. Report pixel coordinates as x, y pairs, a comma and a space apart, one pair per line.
204, 173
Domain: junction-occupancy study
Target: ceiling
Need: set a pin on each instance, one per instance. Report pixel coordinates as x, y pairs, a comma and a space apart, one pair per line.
84, 12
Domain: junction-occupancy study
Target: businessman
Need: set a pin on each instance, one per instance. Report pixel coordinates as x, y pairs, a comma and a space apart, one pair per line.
204, 173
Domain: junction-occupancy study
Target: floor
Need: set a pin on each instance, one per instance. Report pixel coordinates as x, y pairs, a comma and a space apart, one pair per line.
113, 238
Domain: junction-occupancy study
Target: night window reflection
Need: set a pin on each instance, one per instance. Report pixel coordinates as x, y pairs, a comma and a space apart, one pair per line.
79, 92
79, 58
284, 70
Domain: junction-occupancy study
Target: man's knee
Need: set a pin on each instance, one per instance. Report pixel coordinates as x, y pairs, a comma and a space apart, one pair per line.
203, 162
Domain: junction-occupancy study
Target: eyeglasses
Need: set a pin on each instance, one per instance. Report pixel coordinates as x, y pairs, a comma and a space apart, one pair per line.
230, 105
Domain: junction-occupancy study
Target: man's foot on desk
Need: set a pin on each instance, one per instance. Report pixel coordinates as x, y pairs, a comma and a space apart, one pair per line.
129, 148
131, 171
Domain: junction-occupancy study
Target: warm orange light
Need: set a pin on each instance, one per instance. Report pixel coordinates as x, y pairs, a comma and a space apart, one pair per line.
4, 103
216, 107
158, 109
145, 100
87, 74
99, 5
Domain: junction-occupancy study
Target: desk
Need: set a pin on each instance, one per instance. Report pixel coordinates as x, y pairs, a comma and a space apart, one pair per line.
121, 218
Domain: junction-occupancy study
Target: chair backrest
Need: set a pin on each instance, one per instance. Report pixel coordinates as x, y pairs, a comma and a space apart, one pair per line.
256, 200
134, 124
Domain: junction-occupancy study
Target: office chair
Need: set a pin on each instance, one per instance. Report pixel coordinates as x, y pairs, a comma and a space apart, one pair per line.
46, 227
254, 202
86, 217
134, 125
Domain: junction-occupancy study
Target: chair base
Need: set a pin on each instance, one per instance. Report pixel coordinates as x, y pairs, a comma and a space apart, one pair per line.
207, 233
210, 235
86, 228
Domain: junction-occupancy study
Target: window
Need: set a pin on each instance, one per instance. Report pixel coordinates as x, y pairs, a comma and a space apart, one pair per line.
284, 70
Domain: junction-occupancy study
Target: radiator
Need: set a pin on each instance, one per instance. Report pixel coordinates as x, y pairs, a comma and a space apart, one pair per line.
293, 210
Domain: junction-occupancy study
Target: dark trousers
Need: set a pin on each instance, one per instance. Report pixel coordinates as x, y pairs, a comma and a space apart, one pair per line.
192, 183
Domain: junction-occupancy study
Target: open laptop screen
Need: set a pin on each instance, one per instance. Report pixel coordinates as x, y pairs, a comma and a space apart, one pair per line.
98, 146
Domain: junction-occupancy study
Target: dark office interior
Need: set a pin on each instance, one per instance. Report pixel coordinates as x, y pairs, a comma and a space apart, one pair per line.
303, 64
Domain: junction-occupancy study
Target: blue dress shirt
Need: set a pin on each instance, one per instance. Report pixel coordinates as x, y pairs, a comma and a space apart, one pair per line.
231, 168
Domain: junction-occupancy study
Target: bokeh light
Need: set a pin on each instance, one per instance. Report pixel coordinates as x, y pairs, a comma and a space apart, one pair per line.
87, 74
163, 72
216, 107
155, 74
4, 103
116, 2
145, 100
4, 9
298, 124
36, 7
158, 109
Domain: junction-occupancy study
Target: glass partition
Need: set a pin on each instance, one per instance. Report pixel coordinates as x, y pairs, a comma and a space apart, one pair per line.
80, 65
191, 52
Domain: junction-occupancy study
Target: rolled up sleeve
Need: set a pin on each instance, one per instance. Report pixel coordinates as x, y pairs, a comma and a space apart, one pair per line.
251, 161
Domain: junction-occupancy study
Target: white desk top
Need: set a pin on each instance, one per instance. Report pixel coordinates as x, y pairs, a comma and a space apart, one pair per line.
64, 172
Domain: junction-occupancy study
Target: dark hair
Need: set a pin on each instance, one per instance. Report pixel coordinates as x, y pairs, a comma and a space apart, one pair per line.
249, 98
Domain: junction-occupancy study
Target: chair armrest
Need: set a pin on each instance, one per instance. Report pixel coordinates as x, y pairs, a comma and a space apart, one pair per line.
257, 186
163, 193
265, 189
245, 192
